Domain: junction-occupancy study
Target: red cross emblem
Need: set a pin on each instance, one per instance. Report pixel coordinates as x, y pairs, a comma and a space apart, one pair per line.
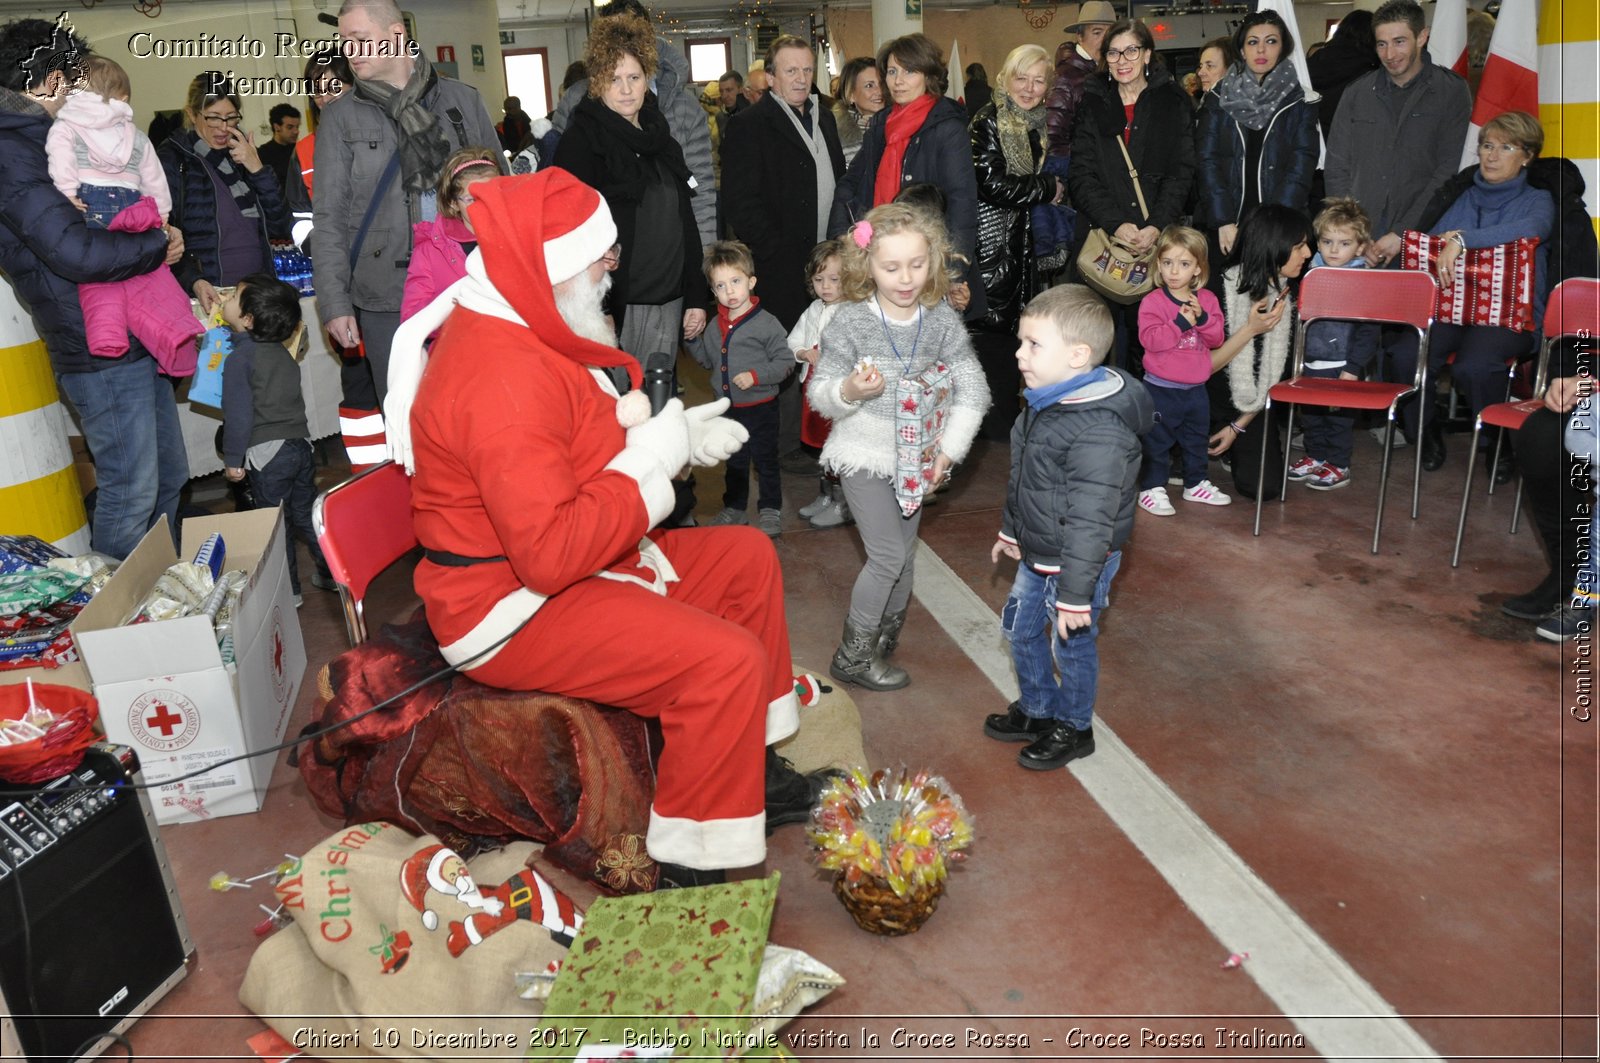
164, 720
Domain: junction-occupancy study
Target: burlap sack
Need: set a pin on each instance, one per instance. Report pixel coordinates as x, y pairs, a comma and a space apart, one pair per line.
398, 948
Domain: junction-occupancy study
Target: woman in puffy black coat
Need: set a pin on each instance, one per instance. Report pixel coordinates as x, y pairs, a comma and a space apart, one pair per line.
1008, 149
1257, 140
1137, 100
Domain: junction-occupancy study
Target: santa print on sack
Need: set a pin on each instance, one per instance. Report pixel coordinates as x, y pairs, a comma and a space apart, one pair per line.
522, 896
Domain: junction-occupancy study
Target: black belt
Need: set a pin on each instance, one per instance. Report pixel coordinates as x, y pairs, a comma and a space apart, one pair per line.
445, 557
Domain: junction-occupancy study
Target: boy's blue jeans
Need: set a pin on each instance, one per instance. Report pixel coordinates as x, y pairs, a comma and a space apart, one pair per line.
1037, 650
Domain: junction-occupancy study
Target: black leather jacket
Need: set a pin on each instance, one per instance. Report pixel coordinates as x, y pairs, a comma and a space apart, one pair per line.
1005, 221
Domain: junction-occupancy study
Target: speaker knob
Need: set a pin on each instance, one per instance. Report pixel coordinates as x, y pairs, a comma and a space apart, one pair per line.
61, 823
38, 838
77, 815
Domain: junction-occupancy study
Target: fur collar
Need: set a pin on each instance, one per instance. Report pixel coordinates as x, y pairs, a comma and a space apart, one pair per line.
1254, 370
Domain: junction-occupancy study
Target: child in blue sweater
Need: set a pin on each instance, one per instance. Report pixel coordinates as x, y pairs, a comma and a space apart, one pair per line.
1335, 349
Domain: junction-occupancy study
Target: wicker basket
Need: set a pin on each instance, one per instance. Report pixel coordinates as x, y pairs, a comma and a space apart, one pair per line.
878, 910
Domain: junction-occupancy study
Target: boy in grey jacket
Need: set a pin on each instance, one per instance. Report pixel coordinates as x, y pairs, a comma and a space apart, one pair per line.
748, 354
1069, 509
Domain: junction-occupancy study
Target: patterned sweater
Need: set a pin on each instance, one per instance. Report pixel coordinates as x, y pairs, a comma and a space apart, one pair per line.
863, 436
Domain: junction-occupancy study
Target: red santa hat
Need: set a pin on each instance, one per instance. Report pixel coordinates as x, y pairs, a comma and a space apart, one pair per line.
535, 231
418, 874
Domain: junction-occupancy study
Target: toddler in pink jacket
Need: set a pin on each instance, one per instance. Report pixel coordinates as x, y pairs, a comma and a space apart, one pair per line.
100, 161
439, 248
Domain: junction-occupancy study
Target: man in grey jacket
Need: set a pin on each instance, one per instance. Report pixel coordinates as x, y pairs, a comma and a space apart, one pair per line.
379, 151
680, 106
1398, 133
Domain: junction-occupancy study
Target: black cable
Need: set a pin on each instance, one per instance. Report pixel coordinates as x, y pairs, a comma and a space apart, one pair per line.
447, 670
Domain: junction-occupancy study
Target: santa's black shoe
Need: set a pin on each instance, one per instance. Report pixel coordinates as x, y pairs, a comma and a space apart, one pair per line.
791, 795
678, 877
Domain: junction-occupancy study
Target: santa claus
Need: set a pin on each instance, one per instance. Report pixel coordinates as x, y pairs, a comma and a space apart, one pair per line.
523, 896
536, 495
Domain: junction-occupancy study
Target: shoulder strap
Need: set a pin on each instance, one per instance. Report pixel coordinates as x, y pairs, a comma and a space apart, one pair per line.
458, 120
1135, 175
384, 182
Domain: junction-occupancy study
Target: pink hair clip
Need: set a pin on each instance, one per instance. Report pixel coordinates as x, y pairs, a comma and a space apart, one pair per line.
469, 164
861, 233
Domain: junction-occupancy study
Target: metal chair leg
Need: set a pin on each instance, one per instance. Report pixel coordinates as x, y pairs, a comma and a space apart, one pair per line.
1499, 441
1416, 473
1288, 442
1266, 411
1516, 506
1383, 477
1466, 493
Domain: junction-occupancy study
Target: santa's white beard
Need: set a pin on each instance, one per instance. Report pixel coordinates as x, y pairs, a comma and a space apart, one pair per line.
579, 304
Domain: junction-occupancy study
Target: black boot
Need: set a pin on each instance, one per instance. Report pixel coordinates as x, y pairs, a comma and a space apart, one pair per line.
1055, 747
678, 877
858, 661
1014, 725
790, 796
1433, 446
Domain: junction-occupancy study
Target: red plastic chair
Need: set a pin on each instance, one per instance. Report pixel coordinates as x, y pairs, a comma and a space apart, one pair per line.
1389, 297
364, 526
1573, 310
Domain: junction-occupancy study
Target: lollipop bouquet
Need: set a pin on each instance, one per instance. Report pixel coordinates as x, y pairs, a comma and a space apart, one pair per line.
890, 840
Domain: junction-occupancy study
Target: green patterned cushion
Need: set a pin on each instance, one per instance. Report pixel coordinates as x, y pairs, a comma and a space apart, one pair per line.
672, 969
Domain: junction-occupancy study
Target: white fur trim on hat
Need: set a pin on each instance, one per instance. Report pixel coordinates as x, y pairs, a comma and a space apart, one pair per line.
575, 250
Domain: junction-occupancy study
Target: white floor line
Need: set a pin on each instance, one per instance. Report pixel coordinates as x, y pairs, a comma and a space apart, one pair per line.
1341, 1015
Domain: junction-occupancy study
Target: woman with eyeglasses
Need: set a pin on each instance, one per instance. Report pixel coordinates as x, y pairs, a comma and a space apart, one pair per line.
1134, 100
224, 198
619, 143
1257, 141
1494, 203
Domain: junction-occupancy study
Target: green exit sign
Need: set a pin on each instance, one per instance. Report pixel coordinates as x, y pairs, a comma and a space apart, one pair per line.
913, 8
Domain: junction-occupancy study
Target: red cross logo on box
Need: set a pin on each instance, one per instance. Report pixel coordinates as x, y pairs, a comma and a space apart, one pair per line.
163, 720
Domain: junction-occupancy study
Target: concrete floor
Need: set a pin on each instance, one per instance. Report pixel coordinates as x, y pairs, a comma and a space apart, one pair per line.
1351, 766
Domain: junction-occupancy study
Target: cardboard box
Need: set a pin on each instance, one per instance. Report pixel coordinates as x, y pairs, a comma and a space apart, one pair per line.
163, 688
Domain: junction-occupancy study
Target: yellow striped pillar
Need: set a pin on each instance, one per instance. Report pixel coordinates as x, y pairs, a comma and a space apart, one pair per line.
38, 487
1569, 91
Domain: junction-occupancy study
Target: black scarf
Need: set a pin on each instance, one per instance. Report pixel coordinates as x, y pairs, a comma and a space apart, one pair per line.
631, 151
423, 148
231, 176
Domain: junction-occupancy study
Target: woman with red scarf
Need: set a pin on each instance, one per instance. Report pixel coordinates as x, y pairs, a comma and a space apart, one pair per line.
921, 138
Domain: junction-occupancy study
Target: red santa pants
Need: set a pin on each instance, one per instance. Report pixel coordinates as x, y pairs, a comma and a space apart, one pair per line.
708, 660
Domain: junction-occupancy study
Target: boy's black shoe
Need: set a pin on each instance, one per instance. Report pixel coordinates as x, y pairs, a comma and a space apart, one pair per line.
1537, 603
678, 877
1055, 747
1433, 447
1014, 725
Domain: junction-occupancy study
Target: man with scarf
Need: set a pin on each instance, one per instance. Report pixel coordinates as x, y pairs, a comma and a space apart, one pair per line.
378, 153
537, 493
781, 159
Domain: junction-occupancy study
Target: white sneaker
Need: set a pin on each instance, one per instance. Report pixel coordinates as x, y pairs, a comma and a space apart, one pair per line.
815, 506
1155, 500
1205, 492
1303, 468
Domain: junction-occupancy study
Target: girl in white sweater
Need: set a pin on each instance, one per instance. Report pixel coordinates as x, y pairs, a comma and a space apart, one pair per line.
897, 347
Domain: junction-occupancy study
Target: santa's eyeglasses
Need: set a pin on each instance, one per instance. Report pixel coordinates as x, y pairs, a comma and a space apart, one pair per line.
612, 258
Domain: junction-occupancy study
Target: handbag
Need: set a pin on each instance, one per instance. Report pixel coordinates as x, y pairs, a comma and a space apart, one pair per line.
1491, 285
1113, 268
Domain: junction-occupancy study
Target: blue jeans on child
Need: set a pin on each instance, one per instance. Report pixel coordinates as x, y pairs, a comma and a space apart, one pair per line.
1329, 435
1038, 650
105, 202
762, 451
290, 478
1183, 418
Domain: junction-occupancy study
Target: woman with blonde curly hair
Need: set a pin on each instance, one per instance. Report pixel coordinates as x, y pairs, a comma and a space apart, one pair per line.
897, 267
619, 143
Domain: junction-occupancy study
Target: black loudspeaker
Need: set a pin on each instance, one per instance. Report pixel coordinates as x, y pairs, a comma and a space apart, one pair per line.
91, 931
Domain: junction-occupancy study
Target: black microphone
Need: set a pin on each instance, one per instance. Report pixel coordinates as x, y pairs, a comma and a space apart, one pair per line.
658, 380
324, 17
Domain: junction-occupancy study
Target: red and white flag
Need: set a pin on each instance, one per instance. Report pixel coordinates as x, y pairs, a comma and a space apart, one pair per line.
1447, 37
1511, 75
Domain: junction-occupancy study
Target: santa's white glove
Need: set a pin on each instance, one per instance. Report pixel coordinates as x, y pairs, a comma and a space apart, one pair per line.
665, 437
654, 453
712, 437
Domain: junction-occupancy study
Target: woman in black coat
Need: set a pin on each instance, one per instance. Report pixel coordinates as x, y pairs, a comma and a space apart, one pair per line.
619, 143
1257, 140
1008, 151
927, 132
1160, 140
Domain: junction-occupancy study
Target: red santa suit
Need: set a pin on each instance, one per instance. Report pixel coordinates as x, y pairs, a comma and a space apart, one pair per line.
519, 457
